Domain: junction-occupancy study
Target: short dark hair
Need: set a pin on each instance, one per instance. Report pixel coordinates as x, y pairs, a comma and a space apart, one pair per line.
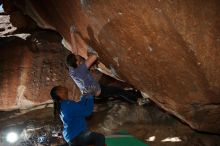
71, 60
53, 94
56, 100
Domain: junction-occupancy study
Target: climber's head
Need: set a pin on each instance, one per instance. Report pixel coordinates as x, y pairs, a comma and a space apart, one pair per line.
73, 60
59, 93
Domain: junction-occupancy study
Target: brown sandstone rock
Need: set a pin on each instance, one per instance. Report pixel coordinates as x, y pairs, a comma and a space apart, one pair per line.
8, 6
168, 49
27, 75
22, 22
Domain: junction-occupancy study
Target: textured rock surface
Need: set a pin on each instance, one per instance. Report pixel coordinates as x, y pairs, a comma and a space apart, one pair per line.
22, 22
30, 68
5, 25
168, 49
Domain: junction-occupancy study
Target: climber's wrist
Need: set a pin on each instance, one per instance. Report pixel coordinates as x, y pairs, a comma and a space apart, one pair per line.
73, 29
91, 51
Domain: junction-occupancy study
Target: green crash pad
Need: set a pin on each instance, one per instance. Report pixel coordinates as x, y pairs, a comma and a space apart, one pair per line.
123, 140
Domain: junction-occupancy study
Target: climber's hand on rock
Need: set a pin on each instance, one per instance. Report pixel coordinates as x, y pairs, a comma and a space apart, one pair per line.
91, 51
73, 29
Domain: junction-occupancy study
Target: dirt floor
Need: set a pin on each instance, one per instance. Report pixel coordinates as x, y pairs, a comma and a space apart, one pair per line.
153, 126
148, 123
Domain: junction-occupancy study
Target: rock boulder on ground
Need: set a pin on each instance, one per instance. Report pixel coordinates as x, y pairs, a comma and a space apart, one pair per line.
167, 49
30, 68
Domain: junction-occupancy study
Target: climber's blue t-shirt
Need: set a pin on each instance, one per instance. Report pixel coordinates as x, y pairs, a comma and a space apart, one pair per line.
73, 116
84, 79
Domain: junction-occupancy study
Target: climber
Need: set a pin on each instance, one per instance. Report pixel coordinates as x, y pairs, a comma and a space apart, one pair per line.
79, 72
73, 115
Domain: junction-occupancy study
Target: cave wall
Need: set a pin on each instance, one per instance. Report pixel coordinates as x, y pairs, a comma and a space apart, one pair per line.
30, 68
167, 49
